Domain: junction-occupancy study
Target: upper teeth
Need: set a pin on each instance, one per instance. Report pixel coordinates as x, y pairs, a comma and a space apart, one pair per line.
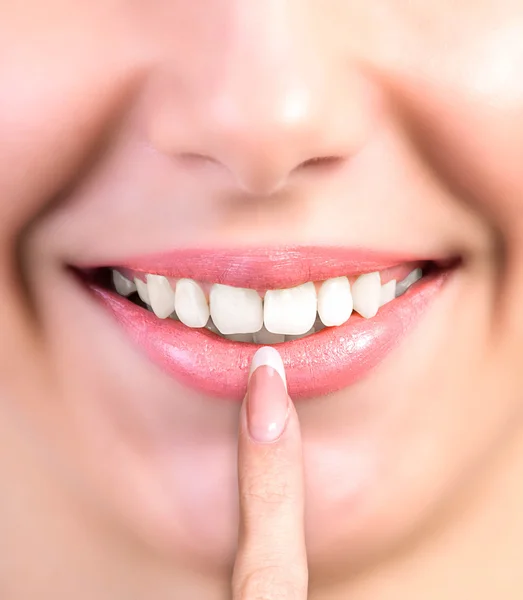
143, 290
291, 311
240, 312
190, 304
236, 310
124, 286
161, 295
335, 301
411, 279
366, 294
388, 292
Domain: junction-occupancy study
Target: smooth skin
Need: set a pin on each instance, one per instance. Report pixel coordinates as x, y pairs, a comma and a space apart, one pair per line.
130, 127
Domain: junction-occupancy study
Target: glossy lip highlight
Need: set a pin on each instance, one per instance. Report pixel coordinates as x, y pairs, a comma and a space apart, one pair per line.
316, 365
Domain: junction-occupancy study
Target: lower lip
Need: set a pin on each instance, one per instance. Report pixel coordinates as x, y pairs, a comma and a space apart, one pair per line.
320, 364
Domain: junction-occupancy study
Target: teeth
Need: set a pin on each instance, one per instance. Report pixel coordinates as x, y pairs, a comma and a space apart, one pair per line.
291, 311
241, 315
411, 279
124, 286
236, 310
366, 293
335, 301
388, 292
141, 288
190, 304
266, 338
161, 296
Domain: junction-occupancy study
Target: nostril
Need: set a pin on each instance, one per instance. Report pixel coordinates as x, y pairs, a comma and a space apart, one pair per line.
195, 158
320, 162
317, 161
260, 172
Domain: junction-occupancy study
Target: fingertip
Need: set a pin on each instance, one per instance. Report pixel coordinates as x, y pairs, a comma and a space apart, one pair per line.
267, 402
270, 357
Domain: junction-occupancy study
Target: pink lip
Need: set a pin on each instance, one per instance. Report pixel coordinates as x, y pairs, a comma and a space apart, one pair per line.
316, 365
263, 268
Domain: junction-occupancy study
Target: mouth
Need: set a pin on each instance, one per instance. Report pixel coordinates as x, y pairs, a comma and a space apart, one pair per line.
334, 314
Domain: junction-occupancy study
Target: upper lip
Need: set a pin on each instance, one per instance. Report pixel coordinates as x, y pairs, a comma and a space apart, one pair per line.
266, 268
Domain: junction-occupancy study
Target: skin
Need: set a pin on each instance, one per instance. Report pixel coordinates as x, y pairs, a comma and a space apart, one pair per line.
127, 128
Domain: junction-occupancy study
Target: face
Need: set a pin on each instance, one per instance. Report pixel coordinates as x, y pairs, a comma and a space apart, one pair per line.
261, 146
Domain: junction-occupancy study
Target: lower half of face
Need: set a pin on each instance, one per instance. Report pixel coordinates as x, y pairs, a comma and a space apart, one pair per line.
176, 194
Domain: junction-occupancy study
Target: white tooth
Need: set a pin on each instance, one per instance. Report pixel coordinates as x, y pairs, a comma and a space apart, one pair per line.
291, 311
123, 286
141, 288
161, 295
291, 338
190, 303
235, 310
411, 279
388, 292
240, 337
366, 292
266, 338
335, 301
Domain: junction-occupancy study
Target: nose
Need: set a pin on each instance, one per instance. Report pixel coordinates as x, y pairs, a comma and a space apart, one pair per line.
271, 101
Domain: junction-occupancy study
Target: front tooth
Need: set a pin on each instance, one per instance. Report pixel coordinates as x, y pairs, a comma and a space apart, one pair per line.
190, 304
141, 288
266, 338
291, 311
388, 292
235, 310
411, 279
123, 286
366, 293
161, 295
335, 301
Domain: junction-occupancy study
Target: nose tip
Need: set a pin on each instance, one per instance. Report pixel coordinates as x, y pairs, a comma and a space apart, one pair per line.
264, 130
263, 141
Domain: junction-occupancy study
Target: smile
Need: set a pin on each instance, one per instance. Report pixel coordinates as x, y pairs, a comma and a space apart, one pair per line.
334, 313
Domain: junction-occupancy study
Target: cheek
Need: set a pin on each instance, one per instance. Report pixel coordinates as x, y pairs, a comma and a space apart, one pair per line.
437, 431
62, 80
465, 114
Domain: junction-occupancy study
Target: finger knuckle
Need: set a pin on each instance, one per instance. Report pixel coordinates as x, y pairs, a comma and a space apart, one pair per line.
267, 491
273, 583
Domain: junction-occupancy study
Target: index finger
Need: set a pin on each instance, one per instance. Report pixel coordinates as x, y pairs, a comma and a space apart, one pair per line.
271, 562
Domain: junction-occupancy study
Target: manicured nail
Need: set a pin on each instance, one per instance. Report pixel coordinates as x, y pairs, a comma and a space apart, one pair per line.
267, 400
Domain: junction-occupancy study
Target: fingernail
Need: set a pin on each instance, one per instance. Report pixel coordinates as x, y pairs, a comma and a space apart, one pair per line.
267, 400
269, 357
